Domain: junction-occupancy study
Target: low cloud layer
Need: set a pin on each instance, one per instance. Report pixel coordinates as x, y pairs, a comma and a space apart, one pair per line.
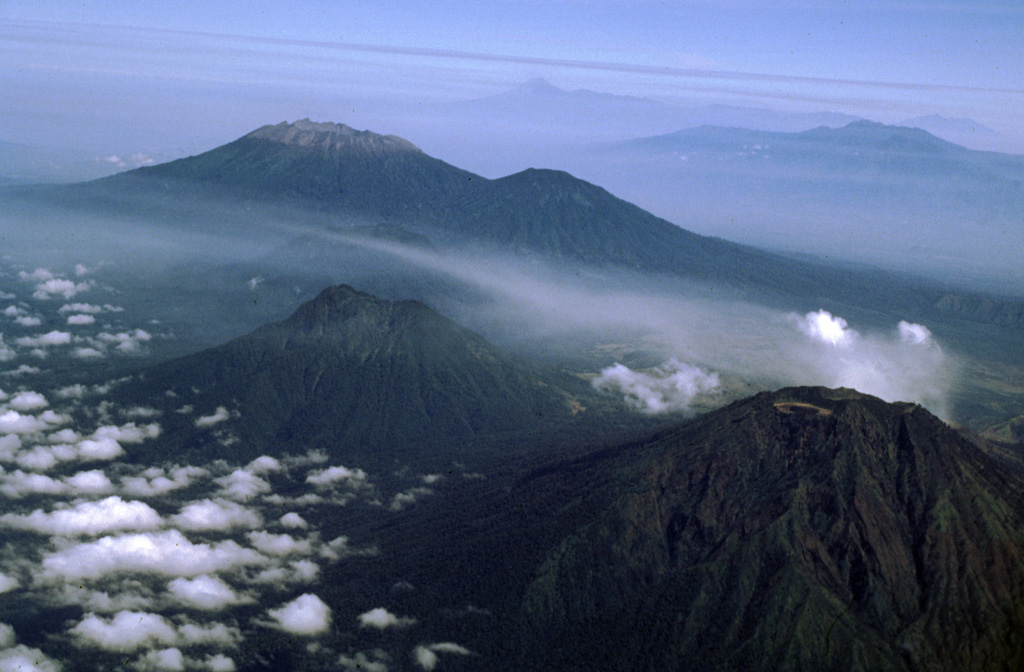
673, 386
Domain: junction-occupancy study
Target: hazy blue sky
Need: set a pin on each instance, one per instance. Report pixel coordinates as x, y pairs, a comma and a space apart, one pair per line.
153, 76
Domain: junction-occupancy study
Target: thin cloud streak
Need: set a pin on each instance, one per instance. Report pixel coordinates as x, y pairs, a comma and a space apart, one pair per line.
606, 66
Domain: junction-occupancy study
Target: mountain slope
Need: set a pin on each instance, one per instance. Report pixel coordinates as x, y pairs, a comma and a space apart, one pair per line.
802, 529
359, 376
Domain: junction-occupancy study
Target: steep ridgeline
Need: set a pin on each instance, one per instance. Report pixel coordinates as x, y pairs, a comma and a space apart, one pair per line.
797, 530
357, 376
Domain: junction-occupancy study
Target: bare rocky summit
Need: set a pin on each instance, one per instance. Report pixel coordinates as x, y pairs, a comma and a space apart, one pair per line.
332, 137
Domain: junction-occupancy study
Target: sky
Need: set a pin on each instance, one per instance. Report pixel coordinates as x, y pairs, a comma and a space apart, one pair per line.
167, 79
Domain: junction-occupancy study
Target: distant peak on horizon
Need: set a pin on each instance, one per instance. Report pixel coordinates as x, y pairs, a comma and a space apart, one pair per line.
331, 136
540, 85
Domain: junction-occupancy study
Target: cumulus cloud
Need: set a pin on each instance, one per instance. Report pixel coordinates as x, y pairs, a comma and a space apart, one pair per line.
125, 632
822, 326
112, 514
362, 663
50, 339
161, 660
60, 287
242, 485
381, 619
914, 334
6, 353
907, 365
426, 655
219, 663
305, 615
216, 514
128, 631
156, 481
331, 476
408, 498
28, 401
220, 415
672, 386
91, 482
264, 464
279, 545
21, 658
294, 521
8, 583
205, 592
80, 319
166, 553
125, 342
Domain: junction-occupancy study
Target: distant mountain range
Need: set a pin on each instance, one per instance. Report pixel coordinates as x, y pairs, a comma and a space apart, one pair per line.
893, 196
352, 178
801, 529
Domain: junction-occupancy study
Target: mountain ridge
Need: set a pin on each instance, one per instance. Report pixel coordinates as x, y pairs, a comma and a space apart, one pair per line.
797, 529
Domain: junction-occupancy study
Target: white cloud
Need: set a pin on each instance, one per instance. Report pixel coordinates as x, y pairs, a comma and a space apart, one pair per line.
28, 401
278, 545
408, 498
112, 514
125, 342
128, 433
217, 417
335, 475
914, 334
8, 583
905, 366
80, 319
242, 485
49, 339
161, 660
27, 321
264, 464
7, 636
209, 593
672, 386
822, 326
381, 619
294, 521
127, 631
92, 482
12, 422
38, 275
360, 662
219, 663
211, 634
216, 514
6, 353
61, 287
24, 659
166, 553
339, 548
426, 655
154, 481
88, 353
305, 615
99, 449
19, 484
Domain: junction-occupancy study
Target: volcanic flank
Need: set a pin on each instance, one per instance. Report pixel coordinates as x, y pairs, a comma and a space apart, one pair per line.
361, 376
802, 529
